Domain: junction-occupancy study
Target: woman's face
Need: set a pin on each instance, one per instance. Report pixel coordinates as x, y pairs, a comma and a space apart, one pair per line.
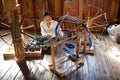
47, 19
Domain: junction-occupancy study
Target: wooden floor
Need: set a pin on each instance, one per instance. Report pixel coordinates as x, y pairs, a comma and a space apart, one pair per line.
104, 65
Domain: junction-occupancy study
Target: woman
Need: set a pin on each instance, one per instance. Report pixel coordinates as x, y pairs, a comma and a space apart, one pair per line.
50, 30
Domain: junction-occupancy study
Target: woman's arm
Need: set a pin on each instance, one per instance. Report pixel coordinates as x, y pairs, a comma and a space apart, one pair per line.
43, 31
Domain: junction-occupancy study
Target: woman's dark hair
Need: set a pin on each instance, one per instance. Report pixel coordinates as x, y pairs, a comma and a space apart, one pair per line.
46, 13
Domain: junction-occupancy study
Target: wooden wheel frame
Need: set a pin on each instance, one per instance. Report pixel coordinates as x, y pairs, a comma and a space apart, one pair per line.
98, 20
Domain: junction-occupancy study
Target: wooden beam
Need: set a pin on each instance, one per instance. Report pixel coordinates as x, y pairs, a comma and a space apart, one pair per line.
28, 56
34, 56
29, 35
4, 24
5, 34
53, 55
80, 9
9, 56
78, 45
62, 41
82, 43
85, 43
16, 36
90, 52
27, 27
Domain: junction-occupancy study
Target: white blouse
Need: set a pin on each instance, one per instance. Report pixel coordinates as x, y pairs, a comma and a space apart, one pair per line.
51, 30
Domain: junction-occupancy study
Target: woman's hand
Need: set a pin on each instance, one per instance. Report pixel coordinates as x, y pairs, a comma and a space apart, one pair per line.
48, 37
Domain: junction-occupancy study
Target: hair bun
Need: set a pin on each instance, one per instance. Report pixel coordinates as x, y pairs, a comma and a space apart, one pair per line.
46, 13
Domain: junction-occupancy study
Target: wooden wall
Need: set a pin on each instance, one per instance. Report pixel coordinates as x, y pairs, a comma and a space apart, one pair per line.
111, 7
56, 8
35, 8
1, 9
119, 13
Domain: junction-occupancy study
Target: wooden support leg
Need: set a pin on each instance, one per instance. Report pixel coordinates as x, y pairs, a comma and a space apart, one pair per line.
16, 37
24, 68
28, 56
85, 43
78, 46
53, 55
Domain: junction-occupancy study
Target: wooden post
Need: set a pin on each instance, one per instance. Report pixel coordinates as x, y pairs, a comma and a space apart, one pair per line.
78, 45
81, 9
20, 19
10, 8
16, 37
85, 43
53, 55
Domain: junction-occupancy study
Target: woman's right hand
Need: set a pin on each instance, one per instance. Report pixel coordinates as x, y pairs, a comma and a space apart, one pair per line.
48, 37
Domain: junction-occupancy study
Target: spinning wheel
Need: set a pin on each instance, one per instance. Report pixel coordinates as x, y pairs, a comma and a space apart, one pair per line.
95, 18
23, 30
75, 57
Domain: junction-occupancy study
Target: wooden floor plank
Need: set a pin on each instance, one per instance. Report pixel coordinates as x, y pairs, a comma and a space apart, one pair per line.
97, 69
91, 69
110, 61
7, 71
85, 69
4, 68
14, 69
104, 69
80, 73
114, 69
110, 67
19, 76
